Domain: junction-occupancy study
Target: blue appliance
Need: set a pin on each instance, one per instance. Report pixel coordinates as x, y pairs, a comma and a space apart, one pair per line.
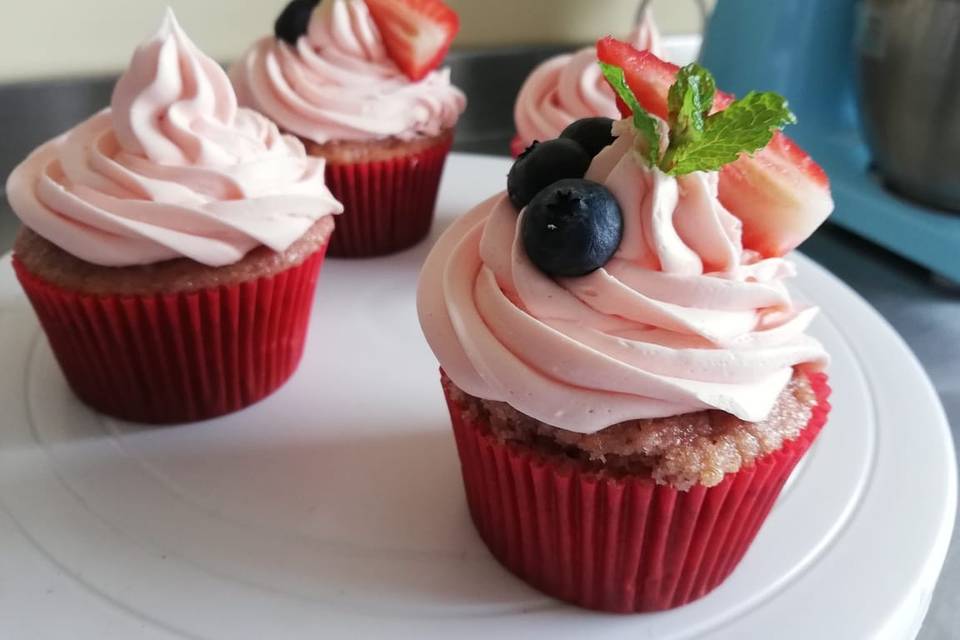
806, 50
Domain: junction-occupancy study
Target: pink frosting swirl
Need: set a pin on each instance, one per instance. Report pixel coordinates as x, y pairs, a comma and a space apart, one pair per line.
338, 83
681, 319
173, 169
569, 87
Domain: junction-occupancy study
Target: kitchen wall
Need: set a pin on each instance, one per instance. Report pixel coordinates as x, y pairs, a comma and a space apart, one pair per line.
45, 38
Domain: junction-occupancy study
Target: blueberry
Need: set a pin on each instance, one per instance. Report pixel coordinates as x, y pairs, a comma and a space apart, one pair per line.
593, 134
542, 164
293, 20
571, 228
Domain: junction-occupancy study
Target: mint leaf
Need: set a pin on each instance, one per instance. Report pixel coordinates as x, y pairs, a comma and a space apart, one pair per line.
645, 124
689, 102
744, 127
699, 140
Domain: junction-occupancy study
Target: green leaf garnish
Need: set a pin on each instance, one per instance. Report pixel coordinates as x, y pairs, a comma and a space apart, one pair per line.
689, 102
645, 124
743, 127
699, 140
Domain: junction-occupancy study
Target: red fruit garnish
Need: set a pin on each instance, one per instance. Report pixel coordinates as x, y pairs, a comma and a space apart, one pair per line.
416, 33
780, 193
649, 77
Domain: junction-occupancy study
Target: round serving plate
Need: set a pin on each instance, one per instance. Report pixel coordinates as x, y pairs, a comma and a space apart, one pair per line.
335, 506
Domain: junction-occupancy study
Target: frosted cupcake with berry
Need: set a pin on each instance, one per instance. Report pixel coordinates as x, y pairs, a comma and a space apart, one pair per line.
569, 88
359, 82
171, 243
629, 379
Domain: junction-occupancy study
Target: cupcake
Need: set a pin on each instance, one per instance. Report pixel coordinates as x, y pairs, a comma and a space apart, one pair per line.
569, 87
629, 380
170, 243
357, 81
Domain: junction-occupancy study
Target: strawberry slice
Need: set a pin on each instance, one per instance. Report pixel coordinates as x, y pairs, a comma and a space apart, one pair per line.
780, 193
416, 33
648, 76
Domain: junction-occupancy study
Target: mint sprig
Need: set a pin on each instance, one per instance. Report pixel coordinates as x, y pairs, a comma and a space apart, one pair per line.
699, 140
689, 102
645, 124
744, 127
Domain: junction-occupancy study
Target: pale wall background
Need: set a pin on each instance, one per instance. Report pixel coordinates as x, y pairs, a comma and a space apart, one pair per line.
49, 38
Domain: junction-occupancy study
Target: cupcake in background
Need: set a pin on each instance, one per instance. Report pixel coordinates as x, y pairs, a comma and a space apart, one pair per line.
171, 243
629, 380
569, 87
358, 81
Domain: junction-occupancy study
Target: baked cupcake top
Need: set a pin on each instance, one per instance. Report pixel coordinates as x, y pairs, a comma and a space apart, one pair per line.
570, 86
171, 169
354, 72
625, 290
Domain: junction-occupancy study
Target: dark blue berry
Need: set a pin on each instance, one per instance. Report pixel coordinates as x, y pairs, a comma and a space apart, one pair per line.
293, 20
542, 164
571, 228
593, 134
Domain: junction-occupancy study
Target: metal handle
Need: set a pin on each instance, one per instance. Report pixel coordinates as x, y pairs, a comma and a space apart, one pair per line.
645, 4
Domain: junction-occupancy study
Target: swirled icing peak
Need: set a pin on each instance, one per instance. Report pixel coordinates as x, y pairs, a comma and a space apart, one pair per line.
569, 86
681, 319
338, 83
172, 169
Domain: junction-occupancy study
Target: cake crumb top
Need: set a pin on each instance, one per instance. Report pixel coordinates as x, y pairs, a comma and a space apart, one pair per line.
681, 451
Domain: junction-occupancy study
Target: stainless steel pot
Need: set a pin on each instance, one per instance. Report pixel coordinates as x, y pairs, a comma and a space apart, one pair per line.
909, 81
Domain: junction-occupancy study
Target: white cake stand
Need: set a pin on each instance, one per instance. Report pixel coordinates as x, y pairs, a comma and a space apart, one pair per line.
334, 508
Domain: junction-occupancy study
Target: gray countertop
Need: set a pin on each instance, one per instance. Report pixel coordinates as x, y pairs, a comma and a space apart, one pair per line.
925, 311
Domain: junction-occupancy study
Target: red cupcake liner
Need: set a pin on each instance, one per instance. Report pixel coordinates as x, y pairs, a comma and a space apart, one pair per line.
617, 544
178, 357
517, 146
388, 205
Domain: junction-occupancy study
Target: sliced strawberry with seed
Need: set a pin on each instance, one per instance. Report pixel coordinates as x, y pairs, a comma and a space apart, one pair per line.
649, 77
780, 193
416, 33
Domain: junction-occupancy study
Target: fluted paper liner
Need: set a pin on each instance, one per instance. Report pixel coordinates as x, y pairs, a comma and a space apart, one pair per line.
178, 357
388, 205
617, 543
